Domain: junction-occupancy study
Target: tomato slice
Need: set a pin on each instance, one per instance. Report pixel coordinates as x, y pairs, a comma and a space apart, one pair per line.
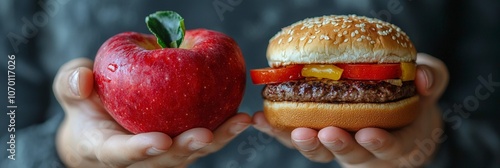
370, 71
276, 75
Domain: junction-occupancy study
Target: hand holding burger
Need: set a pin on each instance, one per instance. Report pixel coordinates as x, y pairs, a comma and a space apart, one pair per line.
345, 74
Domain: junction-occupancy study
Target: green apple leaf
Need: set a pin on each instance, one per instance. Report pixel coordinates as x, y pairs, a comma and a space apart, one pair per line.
168, 27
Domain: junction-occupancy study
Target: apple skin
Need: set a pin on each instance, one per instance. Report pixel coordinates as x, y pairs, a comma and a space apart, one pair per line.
149, 89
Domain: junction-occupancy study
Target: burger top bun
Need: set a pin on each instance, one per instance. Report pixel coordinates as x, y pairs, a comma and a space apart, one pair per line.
340, 39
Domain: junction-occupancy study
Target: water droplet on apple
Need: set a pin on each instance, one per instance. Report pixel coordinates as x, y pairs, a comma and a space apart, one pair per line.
106, 79
112, 67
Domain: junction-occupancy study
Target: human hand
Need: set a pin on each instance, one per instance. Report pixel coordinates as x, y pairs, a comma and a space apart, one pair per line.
89, 137
374, 147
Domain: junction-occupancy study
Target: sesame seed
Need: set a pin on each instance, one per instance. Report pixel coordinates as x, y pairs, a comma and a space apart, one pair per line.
335, 30
324, 37
356, 31
393, 38
313, 37
302, 38
309, 41
345, 32
372, 42
383, 33
346, 40
339, 35
368, 38
379, 26
363, 30
353, 34
359, 39
290, 38
279, 41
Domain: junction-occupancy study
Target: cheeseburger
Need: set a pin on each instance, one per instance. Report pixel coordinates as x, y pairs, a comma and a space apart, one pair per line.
350, 72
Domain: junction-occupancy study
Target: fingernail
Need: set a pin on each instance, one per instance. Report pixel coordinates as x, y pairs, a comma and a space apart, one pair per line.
428, 78
73, 82
153, 151
335, 145
372, 144
307, 145
196, 145
238, 128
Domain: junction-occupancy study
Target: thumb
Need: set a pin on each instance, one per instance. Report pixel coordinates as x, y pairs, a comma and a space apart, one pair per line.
431, 78
74, 80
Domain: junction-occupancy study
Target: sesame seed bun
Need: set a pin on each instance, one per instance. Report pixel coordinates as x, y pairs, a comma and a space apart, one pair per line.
348, 116
340, 39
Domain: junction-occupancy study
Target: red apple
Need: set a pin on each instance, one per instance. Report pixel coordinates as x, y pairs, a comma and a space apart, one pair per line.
146, 88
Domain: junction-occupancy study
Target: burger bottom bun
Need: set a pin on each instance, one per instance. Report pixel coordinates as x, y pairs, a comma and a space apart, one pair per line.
349, 116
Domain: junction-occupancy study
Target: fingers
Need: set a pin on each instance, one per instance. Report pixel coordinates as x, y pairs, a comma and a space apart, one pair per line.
114, 148
123, 150
307, 142
74, 80
343, 146
184, 145
261, 124
431, 78
226, 132
198, 142
323, 146
384, 145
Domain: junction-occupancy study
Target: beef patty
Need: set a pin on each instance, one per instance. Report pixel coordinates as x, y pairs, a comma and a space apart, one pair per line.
330, 91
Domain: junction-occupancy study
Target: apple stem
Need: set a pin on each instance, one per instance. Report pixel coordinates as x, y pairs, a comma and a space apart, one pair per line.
168, 28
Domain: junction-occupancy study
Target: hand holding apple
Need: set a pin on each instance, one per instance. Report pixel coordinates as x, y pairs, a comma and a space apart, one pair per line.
90, 137
147, 88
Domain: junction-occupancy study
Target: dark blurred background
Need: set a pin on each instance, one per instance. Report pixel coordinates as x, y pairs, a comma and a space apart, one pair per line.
45, 34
